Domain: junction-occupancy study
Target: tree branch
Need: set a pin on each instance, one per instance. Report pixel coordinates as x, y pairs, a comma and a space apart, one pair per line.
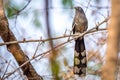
7, 36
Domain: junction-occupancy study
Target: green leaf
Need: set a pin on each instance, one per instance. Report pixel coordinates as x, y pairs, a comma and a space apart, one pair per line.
67, 3
97, 1
55, 69
10, 12
36, 22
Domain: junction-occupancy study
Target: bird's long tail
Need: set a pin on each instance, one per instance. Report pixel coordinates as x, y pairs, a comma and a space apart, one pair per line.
80, 60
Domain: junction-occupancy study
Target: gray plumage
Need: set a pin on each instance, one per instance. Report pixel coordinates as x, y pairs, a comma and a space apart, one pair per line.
80, 24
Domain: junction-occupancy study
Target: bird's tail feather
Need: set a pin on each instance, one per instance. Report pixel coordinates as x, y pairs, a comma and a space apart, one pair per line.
80, 60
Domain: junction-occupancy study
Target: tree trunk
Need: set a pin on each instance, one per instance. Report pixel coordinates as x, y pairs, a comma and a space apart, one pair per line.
7, 36
53, 62
109, 69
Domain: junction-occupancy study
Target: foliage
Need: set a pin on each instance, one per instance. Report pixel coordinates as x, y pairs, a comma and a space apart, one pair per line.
11, 9
67, 3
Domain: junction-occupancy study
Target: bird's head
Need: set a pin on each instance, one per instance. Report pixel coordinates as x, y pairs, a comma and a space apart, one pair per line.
79, 9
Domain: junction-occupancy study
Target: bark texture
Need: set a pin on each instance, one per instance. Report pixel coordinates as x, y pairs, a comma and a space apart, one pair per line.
7, 36
110, 67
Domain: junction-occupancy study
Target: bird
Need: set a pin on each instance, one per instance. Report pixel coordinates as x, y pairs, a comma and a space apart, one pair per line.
80, 24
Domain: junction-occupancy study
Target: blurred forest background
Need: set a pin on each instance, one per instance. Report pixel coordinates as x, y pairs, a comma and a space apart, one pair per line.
43, 48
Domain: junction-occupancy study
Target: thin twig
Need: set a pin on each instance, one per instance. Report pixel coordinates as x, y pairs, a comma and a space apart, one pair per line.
87, 6
5, 70
19, 11
36, 49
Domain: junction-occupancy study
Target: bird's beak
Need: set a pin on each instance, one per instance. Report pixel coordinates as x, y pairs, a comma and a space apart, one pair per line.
75, 7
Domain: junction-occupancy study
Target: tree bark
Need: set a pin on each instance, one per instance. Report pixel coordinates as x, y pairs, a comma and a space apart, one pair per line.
53, 62
110, 67
7, 36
